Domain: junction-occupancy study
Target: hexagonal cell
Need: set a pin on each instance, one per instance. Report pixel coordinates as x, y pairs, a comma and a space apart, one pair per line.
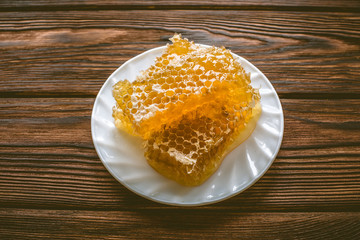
187, 129
187, 144
190, 84
172, 144
179, 140
186, 151
195, 125
148, 88
180, 133
170, 93
180, 148
182, 85
166, 134
172, 136
218, 65
187, 135
186, 91
178, 79
183, 71
208, 64
203, 77
174, 98
155, 74
211, 77
173, 130
189, 71
185, 78
193, 140
165, 100
129, 105
157, 100
130, 91
202, 129
152, 95
161, 81
165, 86
173, 85
199, 72
143, 96
177, 90
170, 80
193, 148
164, 148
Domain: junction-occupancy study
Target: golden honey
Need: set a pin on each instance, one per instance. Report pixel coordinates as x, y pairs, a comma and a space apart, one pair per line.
189, 107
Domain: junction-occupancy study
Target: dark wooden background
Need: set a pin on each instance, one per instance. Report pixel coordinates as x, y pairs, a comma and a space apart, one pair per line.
55, 56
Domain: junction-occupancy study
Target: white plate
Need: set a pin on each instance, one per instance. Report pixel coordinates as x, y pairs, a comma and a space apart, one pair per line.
123, 157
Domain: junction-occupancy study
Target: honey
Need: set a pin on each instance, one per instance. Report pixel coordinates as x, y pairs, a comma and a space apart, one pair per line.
189, 107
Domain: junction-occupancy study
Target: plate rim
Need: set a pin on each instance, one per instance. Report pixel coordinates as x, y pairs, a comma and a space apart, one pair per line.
186, 204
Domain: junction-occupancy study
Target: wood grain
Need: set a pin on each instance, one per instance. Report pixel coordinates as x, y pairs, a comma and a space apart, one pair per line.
176, 224
58, 54
48, 160
55, 56
27, 5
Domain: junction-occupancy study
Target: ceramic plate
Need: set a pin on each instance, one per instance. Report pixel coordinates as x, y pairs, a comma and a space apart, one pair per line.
124, 158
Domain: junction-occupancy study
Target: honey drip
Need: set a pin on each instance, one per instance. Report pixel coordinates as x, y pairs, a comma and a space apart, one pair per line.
189, 107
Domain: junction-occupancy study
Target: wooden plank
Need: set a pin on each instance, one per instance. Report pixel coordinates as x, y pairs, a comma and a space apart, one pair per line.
180, 4
305, 55
48, 160
176, 224
67, 121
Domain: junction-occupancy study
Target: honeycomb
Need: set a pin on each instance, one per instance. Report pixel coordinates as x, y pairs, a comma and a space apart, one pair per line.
189, 107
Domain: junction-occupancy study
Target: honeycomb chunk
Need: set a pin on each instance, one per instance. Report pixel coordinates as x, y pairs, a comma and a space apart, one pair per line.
190, 107
191, 150
182, 79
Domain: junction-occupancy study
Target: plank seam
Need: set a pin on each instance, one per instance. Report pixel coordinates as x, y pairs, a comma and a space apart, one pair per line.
45, 8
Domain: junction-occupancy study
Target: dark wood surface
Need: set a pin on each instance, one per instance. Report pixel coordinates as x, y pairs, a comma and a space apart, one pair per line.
55, 56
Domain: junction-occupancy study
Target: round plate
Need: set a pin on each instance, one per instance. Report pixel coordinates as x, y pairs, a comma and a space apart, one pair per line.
124, 158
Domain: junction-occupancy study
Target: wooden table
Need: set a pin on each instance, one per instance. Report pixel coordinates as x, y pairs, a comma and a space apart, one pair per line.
55, 56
